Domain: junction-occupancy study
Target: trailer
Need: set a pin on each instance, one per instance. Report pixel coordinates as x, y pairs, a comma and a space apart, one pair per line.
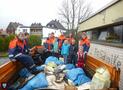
9, 71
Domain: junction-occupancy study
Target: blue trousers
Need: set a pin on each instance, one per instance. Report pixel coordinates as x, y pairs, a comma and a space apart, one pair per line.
65, 59
26, 60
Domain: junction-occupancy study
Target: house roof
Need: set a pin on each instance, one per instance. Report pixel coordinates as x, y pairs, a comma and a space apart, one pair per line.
24, 26
13, 25
56, 24
36, 25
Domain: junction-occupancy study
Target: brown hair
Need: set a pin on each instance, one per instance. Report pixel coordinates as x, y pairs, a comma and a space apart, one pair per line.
26, 34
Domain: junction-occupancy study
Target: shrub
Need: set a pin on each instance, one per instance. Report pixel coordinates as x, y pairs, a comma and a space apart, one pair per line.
4, 42
34, 40
7, 40
1, 44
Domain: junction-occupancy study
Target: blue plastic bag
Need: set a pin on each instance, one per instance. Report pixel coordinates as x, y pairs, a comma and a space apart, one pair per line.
73, 73
53, 59
24, 73
39, 81
81, 79
40, 68
77, 75
69, 66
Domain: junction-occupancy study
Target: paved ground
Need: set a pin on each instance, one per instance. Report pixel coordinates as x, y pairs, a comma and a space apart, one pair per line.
3, 60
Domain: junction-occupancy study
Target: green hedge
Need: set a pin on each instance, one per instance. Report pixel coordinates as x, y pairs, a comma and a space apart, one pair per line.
34, 40
1, 44
4, 42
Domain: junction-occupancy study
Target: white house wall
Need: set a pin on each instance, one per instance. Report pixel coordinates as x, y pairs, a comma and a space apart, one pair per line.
19, 30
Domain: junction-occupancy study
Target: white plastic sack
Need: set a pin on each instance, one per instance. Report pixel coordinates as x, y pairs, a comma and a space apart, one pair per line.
101, 79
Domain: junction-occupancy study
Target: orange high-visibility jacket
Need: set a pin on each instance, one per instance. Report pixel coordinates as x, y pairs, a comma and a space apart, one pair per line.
15, 47
85, 43
61, 40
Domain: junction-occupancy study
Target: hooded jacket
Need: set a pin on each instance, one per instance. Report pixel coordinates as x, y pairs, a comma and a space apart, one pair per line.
16, 47
85, 43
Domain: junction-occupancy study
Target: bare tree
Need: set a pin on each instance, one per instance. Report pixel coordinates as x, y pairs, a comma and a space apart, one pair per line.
73, 12
65, 13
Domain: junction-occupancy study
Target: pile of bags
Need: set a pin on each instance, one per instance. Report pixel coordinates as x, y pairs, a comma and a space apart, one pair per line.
54, 71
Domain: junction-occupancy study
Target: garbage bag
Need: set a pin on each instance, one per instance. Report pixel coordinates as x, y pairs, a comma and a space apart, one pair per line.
50, 68
101, 79
77, 76
52, 64
69, 66
40, 68
81, 79
73, 73
50, 79
39, 81
24, 73
59, 69
53, 59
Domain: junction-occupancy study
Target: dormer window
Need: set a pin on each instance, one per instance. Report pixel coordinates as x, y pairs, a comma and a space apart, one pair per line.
52, 26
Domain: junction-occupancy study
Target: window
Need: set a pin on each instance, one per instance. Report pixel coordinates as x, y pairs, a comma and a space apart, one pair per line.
24, 30
118, 30
48, 25
52, 26
113, 34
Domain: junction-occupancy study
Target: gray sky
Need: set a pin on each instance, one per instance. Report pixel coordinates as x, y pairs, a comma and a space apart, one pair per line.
31, 11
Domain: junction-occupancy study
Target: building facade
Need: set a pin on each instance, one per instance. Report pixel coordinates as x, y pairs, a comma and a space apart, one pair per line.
105, 30
36, 29
11, 28
23, 29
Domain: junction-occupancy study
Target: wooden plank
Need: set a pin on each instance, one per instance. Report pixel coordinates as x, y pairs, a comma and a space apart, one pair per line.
9, 70
94, 63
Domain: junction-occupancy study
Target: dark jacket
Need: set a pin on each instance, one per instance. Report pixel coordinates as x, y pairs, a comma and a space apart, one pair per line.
73, 50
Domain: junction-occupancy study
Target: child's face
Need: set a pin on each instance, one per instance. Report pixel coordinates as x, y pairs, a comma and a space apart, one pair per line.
81, 49
27, 36
66, 42
73, 42
52, 34
83, 36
